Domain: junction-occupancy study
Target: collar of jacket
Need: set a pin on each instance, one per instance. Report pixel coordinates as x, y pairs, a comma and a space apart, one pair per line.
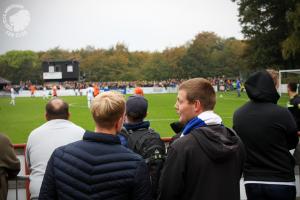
192, 124
101, 137
140, 125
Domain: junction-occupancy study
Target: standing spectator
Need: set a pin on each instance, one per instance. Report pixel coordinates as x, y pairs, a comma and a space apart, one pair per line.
98, 167
238, 87
138, 91
268, 132
90, 95
45, 92
294, 103
12, 96
9, 165
294, 108
206, 161
144, 140
42, 141
54, 91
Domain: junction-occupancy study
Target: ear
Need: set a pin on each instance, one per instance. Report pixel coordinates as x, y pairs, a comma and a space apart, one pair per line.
46, 116
198, 107
125, 119
119, 123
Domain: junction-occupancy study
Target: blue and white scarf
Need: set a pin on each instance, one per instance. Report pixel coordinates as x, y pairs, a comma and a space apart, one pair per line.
204, 119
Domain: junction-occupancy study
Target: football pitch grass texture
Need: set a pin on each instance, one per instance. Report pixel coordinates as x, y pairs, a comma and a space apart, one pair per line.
18, 121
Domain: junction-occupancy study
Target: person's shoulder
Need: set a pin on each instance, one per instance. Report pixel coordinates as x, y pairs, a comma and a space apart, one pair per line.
153, 131
280, 112
246, 105
38, 130
59, 151
296, 99
184, 142
129, 153
73, 125
280, 109
4, 140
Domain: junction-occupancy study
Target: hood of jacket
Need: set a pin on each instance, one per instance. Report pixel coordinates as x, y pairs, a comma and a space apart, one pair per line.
218, 142
260, 87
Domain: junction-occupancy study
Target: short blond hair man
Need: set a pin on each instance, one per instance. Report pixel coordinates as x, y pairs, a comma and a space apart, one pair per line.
98, 166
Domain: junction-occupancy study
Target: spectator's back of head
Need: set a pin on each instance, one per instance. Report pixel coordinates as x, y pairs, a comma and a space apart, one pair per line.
200, 89
56, 108
138, 91
107, 108
292, 86
136, 108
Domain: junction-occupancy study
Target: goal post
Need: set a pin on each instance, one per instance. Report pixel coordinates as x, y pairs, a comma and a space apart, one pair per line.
283, 79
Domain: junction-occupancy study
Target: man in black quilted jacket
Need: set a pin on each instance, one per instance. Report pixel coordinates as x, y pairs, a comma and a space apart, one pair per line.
98, 167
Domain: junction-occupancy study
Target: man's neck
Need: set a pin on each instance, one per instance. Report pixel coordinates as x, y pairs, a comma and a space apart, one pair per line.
105, 131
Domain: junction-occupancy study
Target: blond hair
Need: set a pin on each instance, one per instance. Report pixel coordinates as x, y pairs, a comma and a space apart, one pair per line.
275, 75
107, 108
200, 89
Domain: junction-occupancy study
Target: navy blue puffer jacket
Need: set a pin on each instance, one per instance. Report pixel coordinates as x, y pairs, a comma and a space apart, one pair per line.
98, 167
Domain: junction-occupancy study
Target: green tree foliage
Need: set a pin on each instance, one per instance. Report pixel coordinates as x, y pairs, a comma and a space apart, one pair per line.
20, 65
206, 55
197, 60
291, 45
173, 56
209, 55
265, 26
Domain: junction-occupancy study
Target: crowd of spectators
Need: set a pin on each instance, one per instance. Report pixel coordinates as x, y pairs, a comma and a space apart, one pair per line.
222, 83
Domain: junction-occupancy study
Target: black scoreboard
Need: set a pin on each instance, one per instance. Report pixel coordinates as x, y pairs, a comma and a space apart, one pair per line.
60, 70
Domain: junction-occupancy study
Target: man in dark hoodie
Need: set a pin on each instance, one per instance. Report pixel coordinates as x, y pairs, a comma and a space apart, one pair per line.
268, 132
206, 161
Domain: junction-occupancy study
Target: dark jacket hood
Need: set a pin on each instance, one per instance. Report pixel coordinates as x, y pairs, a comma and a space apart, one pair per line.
218, 142
260, 87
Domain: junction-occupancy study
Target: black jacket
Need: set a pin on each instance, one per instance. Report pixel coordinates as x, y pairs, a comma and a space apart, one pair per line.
206, 164
294, 108
144, 141
268, 132
98, 167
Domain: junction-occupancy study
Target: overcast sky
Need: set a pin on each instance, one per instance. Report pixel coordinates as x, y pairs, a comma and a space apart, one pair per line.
141, 24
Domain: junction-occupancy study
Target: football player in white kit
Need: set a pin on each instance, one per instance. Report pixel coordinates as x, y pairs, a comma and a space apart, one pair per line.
90, 95
45, 93
12, 96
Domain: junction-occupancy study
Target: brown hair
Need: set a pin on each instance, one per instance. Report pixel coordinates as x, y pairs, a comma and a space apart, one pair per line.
57, 109
107, 108
200, 89
292, 86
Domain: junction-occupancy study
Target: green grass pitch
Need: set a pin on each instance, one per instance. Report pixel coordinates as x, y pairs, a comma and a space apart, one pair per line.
18, 121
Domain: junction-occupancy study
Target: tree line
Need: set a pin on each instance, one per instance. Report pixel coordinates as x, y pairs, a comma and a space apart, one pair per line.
272, 39
207, 55
272, 32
